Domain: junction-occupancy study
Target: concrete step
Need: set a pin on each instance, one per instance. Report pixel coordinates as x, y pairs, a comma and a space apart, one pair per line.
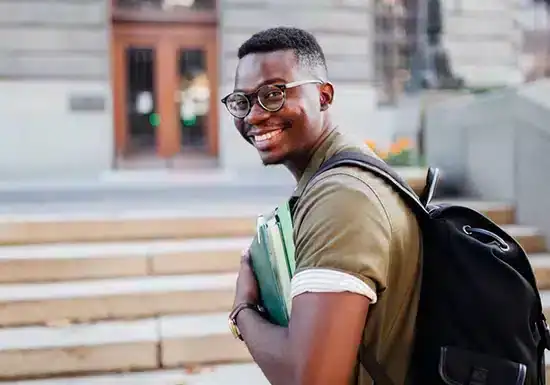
545, 297
138, 297
110, 299
204, 221
62, 262
499, 212
148, 344
66, 262
232, 374
47, 351
541, 266
200, 222
199, 339
235, 374
73, 261
530, 238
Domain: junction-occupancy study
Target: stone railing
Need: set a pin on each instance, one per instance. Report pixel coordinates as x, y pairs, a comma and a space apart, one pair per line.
495, 147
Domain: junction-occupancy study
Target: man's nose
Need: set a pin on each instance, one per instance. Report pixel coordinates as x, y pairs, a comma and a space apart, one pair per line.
256, 115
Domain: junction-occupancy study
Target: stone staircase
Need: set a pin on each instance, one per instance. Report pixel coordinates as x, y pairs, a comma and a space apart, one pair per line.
140, 297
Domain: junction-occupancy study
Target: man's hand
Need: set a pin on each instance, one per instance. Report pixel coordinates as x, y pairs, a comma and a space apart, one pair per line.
320, 344
247, 287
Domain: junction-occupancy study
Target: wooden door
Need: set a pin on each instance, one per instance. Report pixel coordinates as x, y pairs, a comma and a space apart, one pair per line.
191, 76
165, 90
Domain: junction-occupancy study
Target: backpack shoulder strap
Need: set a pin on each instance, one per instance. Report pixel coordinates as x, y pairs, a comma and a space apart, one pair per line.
385, 172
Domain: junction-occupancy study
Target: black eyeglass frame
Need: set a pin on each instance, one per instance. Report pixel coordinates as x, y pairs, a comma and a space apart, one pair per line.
253, 96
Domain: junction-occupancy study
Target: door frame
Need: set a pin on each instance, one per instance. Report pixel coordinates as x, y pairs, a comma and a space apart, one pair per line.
166, 39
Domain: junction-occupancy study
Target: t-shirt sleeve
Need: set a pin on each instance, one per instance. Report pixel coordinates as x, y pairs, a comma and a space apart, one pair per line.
342, 238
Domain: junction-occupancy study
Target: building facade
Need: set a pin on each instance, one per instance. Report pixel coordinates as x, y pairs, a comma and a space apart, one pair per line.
88, 87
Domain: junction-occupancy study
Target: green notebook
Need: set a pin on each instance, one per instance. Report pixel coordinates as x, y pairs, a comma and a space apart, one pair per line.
272, 254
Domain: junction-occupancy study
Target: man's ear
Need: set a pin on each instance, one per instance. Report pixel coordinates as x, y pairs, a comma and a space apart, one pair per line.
326, 95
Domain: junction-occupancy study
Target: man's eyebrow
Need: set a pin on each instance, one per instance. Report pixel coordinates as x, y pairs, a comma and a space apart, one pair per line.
268, 81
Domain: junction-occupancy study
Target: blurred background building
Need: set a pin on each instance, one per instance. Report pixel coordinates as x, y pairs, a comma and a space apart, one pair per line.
87, 87
127, 195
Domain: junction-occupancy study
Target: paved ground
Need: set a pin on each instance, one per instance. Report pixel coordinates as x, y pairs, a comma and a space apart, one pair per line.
144, 186
139, 209
153, 198
154, 189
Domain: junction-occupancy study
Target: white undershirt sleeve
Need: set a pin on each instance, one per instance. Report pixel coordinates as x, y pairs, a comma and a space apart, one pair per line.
317, 280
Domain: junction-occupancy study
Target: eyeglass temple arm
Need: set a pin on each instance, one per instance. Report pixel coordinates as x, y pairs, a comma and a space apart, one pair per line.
302, 82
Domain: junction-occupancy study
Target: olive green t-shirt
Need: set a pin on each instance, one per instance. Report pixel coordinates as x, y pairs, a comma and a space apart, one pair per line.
353, 233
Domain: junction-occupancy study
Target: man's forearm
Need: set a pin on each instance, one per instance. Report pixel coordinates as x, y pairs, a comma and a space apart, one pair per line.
268, 345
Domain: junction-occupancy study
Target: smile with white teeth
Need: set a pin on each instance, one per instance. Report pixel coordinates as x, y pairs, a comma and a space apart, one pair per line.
267, 136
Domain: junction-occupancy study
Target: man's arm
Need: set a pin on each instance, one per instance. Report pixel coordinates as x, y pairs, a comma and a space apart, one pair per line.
319, 346
342, 258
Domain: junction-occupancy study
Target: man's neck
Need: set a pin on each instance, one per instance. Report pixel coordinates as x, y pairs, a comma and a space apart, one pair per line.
297, 166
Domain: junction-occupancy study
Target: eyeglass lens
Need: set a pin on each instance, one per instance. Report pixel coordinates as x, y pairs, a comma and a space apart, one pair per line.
270, 97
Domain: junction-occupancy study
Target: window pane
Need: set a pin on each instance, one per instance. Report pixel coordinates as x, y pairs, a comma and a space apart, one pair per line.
141, 103
194, 98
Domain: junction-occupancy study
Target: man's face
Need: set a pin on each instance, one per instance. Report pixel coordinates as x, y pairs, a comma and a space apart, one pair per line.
293, 129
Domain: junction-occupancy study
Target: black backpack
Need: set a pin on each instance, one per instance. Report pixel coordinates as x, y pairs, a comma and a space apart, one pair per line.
480, 319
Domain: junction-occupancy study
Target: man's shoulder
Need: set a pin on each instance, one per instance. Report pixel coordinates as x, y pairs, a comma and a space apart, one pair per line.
347, 180
350, 220
336, 184
353, 186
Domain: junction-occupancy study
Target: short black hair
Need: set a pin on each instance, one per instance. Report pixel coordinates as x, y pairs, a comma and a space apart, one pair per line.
305, 46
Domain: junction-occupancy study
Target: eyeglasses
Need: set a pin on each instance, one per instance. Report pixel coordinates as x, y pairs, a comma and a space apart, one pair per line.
271, 97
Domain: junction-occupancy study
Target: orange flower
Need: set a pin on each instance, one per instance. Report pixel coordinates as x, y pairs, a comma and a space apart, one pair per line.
383, 154
371, 144
404, 143
400, 145
395, 148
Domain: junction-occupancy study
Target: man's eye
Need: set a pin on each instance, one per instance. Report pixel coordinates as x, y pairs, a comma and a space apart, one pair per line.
273, 95
239, 104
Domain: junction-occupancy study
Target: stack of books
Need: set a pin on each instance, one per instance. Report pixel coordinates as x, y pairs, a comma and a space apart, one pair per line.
273, 262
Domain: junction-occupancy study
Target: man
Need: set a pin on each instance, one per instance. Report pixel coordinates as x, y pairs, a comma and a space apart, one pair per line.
357, 244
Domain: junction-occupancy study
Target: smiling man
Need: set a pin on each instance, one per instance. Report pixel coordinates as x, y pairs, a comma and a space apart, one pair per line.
357, 244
